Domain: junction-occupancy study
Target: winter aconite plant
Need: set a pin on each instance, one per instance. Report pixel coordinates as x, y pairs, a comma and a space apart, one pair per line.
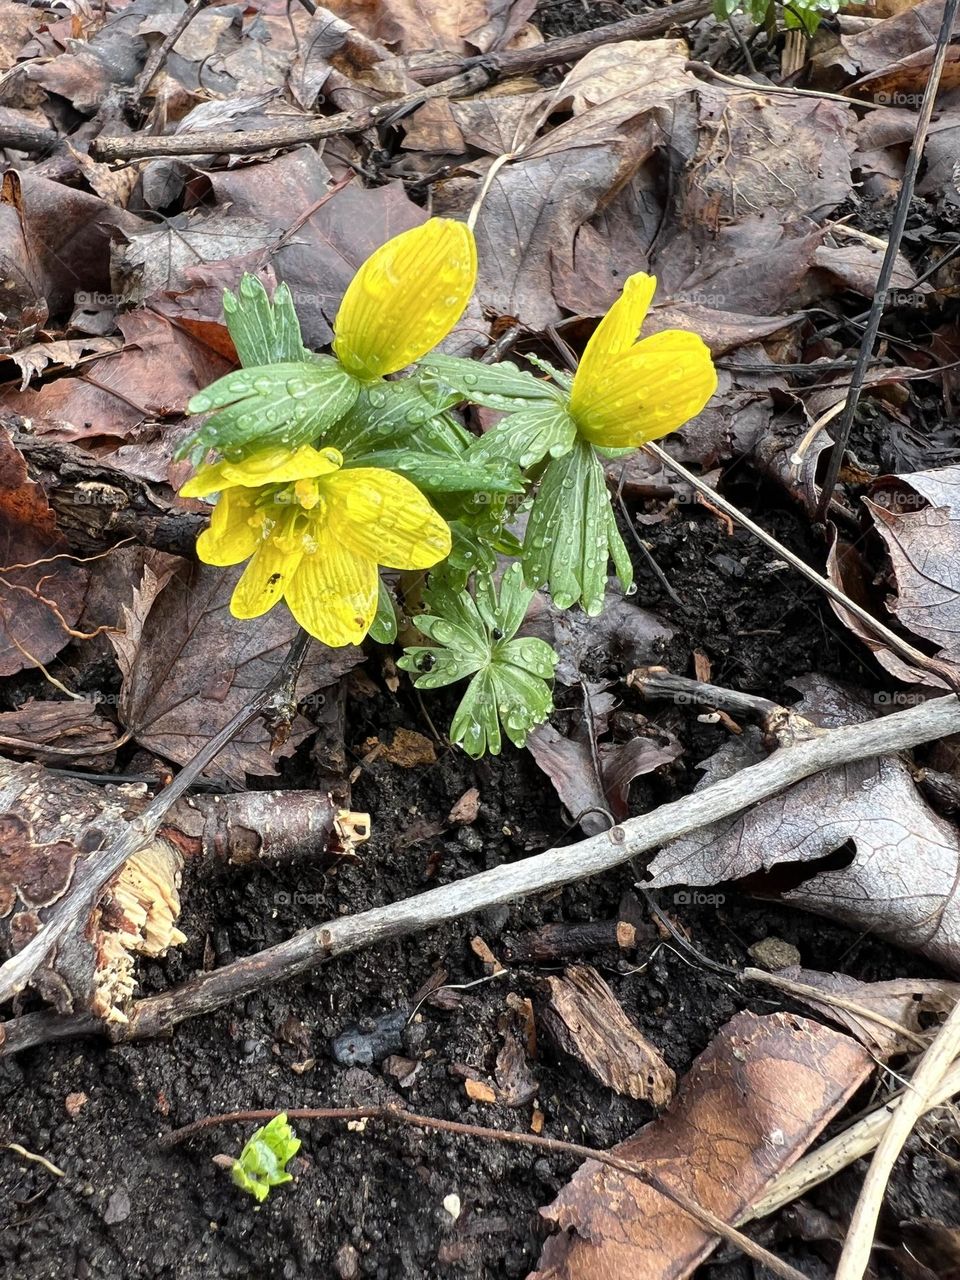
262, 1163
327, 468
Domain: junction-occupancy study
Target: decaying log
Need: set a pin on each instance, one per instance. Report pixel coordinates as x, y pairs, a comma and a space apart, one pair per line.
50, 824
584, 1017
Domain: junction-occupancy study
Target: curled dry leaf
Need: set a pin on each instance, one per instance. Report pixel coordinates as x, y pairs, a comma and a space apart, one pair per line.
586, 1020
918, 517
175, 700
41, 588
899, 870
75, 726
912, 1002
752, 1103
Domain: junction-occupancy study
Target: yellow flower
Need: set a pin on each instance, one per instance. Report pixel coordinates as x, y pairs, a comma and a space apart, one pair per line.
405, 298
626, 392
314, 535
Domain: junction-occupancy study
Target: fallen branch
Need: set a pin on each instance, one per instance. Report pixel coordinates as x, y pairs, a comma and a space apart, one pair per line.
709, 1221
94, 874
449, 79
208, 991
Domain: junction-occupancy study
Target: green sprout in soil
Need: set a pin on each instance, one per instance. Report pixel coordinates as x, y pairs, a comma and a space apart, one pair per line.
262, 1163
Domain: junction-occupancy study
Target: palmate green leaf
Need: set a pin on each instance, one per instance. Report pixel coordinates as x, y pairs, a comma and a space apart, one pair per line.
263, 332
527, 437
434, 474
288, 404
571, 533
495, 386
475, 636
388, 414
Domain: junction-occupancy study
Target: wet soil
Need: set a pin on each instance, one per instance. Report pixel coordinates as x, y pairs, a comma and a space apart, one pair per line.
371, 1203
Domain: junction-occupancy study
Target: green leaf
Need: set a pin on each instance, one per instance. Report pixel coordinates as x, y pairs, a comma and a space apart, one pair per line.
263, 332
385, 415
508, 693
287, 404
496, 386
526, 437
264, 1158
383, 629
567, 541
560, 376
434, 474
618, 552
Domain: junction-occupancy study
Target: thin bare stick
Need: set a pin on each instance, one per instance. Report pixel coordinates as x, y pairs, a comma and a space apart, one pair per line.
95, 873
945, 670
829, 749
709, 1221
934, 1065
840, 1152
900, 214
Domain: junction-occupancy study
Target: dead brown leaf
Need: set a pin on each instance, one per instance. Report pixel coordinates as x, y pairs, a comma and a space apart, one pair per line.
901, 876
428, 25
41, 588
912, 1002
752, 1102
175, 699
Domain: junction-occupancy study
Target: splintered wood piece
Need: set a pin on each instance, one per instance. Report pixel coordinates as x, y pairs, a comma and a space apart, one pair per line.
50, 826
586, 1020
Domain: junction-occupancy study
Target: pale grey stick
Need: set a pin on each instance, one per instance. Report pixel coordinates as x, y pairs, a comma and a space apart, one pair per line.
208, 991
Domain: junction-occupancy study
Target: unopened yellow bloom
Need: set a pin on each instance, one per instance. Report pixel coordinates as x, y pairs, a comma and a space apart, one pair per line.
314, 535
405, 298
626, 392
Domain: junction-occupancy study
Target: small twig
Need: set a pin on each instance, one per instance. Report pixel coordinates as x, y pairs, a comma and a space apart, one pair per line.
157, 58
34, 139
658, 682
900, 214
97, 872
946, 671
155, 1015
934, 1065
707, 1220
790, 91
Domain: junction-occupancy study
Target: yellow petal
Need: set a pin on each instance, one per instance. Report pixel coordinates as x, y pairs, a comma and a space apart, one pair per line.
379, 514
406, 297
264, 580
268, 466
615, 334
333, 593
657, 386
230, 537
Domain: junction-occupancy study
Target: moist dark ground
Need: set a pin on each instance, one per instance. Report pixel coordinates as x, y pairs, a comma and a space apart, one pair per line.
371, 1203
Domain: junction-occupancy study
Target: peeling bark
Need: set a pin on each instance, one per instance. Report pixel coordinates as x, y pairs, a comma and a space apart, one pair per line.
49, 825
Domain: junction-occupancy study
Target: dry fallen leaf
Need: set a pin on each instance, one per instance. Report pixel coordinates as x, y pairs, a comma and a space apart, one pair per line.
900, 877
41, 588
912, 1002
175, 699
752, 1103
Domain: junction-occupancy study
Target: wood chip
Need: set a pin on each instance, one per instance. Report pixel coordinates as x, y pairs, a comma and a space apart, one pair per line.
477, 1091
585, 1019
